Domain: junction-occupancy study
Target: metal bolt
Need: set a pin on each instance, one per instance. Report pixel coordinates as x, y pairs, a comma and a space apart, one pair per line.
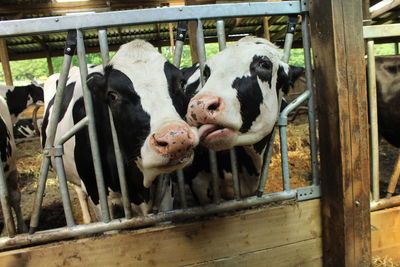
68, 49
180, 9
357, 203
180, 35
57, 20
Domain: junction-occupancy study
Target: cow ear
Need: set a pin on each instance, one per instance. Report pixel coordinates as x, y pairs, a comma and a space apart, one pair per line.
96, 83
287, 75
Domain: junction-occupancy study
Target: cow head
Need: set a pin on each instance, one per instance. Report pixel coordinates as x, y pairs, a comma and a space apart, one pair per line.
35, 94
144, 93
238, 104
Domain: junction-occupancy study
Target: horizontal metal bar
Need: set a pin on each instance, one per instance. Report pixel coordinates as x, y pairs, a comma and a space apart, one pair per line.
381, 31
146, 16
385, 203
71, 132
119, 224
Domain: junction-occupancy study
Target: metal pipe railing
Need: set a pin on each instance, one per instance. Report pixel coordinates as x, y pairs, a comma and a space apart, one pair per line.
92, 128
373, 118
311, 102
213, 155
69, 51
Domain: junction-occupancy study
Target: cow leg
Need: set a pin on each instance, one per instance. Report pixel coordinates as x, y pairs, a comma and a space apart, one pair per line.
15, 201
83, 201
394, 178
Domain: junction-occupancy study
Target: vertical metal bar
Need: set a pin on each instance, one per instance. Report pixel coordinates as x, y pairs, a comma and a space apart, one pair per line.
266, 161
181, 185
221, 34
213, 156
5, 204
92, 128
70, 48
104, 46
232, 152
62, 180
373, 116
396, 48
292, 21
311, 102
117, 150
181, 31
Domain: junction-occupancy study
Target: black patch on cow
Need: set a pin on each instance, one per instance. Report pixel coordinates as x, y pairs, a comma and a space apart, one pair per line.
176, 83
206, 72
17, 98
286, 80
260, 145
262, 67
190, 89
250, 97
5, 141
6, 168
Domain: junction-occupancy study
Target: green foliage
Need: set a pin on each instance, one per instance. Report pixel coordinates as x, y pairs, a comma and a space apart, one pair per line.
36, 69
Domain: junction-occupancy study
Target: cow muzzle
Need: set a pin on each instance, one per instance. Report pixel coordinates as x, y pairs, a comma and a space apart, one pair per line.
205, 109
174, 142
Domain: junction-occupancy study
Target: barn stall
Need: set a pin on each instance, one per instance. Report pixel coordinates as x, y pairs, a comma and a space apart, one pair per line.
343, 226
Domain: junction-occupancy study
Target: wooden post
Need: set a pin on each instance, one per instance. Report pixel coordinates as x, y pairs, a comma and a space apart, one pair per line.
171, 38
50, 64
192, 30
266, 28
5, 62
338, 49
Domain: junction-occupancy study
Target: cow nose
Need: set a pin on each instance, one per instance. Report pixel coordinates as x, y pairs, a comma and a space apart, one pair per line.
204, 109
173, 141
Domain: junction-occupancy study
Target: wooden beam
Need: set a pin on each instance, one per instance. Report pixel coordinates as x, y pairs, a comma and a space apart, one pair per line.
269, 234
5, 62
171, 37
338, 49
50, 64
192, 33
383, 7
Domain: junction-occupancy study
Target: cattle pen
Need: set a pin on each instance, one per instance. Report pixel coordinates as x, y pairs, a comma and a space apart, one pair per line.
326, 223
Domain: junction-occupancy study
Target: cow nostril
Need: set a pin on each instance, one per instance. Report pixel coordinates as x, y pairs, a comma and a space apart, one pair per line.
213, 107
161, 143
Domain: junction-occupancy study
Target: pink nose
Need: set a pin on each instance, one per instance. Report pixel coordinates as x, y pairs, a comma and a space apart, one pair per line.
204, 109
173, 141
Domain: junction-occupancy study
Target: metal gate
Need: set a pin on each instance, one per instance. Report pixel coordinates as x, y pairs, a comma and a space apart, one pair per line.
76, 25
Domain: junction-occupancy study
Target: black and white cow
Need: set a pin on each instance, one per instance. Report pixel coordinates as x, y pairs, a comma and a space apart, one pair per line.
236, 108
144, 92
8, 159
20, 97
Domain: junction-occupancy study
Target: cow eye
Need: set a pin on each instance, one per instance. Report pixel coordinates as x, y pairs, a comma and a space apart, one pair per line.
266, 65
113, 96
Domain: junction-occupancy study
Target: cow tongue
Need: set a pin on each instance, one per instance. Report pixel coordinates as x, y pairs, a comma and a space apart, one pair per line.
206, 129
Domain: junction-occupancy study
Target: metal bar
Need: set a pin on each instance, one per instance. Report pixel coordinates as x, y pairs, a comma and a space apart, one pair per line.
373, 117
381, 31
232, 152
71, 132
396, 48
311, 103
181, 31
213, 156
181, 185
99, 227
117, 150
69, 51
104, 46
266, 161
62, 180
147, 16
385, 203
5, 204
221, 34
394, 178
291, 27
92, 128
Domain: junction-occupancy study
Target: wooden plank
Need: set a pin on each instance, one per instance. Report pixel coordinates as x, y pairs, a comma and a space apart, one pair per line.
184, 244
338, 50
304, 253
192, 31
385, 234
381, 31
383, 7
5, 62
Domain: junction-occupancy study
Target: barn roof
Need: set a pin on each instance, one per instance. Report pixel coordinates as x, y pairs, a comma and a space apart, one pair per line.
38, 46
